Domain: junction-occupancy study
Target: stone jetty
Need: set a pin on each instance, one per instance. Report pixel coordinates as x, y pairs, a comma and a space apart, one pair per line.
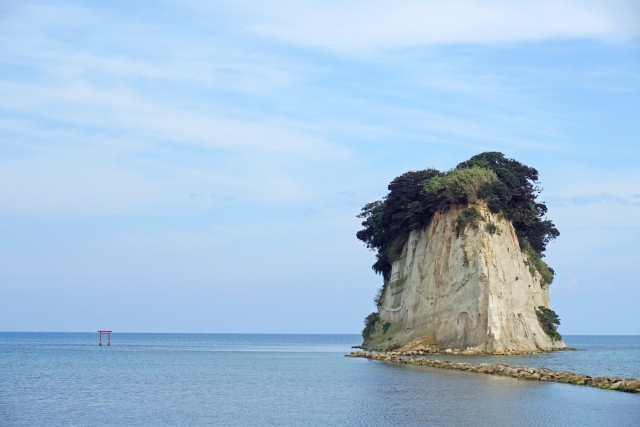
630, 385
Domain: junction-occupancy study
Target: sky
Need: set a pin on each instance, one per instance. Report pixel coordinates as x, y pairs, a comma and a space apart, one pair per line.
193, 166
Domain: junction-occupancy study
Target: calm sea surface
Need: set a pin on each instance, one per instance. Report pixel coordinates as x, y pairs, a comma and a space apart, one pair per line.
66, 379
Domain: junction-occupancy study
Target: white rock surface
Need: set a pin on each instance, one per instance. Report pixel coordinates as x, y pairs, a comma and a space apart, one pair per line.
484, 300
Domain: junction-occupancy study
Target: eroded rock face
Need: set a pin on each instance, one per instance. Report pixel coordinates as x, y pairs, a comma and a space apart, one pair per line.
473, 291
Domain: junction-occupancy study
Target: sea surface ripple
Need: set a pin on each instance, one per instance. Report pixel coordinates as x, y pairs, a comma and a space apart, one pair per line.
66, 379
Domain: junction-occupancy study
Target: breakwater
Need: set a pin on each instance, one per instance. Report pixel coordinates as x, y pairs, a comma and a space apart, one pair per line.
630, 385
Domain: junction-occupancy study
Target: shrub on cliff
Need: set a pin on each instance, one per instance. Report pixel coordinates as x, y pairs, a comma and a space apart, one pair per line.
385, 327
406, 207
370, 323
506, 185
516, 195
549, 320
468, 217
496, 194
461, 186
535, 263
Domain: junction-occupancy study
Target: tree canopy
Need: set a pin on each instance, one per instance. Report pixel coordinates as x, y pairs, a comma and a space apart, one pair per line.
505, 185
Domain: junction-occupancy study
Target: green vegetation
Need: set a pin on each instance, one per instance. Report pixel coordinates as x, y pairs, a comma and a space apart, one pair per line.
468, 217
549, 320
369, 324
506, 185
378, 298
515, 193
385, 327
535, 263
395, 249
407, 207
491, 228
461, 186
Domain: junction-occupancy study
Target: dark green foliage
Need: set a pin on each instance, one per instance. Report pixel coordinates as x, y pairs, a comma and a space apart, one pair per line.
468, 217
491, 228
496, 194
535, 263
369, 324
395, 248
405, 208
378, 298
549, 320
460, 186
415, 197
518, 201
465, 259
385, 327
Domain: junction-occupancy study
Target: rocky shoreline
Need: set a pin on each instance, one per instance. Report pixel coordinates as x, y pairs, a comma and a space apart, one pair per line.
629, 385
414, 348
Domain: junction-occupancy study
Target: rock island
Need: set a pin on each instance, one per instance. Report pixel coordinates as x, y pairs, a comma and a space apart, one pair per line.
461, 256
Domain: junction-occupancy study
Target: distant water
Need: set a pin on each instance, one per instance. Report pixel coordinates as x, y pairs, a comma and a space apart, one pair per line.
60, 379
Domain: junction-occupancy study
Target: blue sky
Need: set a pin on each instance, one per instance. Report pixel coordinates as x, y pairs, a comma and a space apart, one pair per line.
197, 166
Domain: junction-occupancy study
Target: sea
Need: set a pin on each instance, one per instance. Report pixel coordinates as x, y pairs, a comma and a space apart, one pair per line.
66, 379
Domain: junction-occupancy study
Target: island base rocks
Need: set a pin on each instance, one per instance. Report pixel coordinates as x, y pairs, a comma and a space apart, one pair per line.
423, 346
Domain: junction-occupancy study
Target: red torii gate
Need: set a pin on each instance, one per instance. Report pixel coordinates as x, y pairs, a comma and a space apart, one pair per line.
108, 337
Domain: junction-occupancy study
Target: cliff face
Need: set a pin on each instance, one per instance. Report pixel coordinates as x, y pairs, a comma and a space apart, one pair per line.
473, 291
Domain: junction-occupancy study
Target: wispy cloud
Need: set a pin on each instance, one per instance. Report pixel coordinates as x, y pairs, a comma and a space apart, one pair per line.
352, 25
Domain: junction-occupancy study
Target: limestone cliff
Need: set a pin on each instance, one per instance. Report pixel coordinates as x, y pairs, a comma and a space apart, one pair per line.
474, 291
